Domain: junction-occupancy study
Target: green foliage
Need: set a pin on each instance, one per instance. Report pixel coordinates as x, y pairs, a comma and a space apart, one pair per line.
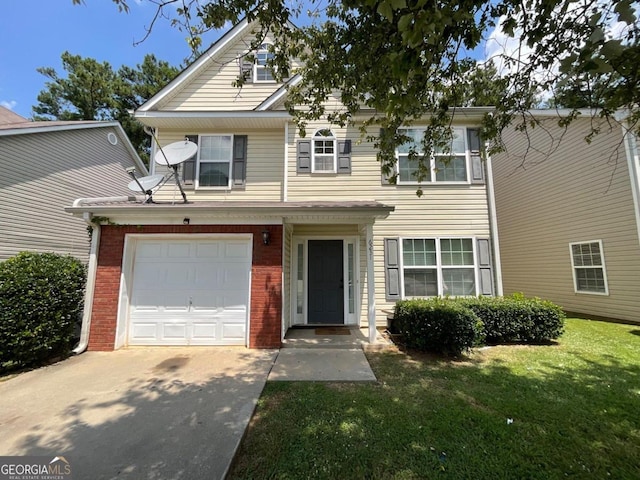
395, 62
448, 325
94, 91
437, 325
41, 298
517, 319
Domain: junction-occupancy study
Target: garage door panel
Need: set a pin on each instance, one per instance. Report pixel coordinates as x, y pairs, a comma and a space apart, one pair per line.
190, 292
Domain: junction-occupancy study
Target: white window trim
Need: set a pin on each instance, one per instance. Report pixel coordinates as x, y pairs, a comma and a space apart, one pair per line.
198, 162
603, 267
257, 66
432, 162
439, 266
313, 151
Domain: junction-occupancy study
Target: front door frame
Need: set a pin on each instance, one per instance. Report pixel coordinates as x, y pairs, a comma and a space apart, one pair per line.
350, 317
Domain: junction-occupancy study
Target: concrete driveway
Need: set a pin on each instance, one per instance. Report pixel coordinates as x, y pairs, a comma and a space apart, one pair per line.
149, 413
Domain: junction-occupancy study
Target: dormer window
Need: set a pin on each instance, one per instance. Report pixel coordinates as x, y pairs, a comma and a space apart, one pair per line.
324, 152
262, 71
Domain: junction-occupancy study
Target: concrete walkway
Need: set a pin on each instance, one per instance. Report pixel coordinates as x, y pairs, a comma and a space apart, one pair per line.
150, 413
325, 354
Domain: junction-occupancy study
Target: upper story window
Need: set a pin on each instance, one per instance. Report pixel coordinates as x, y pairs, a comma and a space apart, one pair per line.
215, 154
442, 165
587, 262
324, 152
261, 70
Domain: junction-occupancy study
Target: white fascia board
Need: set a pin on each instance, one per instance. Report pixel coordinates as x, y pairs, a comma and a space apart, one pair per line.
194, 67
219, 114
278, 94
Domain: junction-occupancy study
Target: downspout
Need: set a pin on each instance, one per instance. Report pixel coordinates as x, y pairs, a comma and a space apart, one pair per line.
493, 226
90, 286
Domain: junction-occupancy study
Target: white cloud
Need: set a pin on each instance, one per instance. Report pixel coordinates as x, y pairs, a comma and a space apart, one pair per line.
10, 104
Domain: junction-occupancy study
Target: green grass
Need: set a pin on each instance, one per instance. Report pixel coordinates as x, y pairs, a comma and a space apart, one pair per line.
575, 408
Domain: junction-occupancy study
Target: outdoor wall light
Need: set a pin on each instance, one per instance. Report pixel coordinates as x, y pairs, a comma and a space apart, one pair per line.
266, 237
186, 221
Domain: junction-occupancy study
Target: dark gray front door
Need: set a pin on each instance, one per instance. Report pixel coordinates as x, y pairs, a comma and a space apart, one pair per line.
326, 283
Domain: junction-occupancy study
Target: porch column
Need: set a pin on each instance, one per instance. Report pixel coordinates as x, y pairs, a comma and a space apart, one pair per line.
371, 285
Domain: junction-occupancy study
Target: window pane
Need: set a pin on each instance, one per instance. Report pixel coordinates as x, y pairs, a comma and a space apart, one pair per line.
215, 148
421, 283
590, 280
416, 142
456, 251
323, 163
408, 169
214, 174
457, 146
419, 252
453, 169
458, 281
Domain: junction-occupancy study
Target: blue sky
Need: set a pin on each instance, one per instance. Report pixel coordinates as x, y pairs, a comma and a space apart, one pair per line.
34, 33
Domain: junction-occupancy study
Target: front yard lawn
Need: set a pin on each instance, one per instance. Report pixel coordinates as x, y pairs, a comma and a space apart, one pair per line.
569, 410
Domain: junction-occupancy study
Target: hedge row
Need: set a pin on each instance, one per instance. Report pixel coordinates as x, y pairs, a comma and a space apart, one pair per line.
41, 299
451, 326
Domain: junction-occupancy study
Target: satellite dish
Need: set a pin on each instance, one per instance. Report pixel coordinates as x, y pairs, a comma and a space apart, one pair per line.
145, 184
176, 153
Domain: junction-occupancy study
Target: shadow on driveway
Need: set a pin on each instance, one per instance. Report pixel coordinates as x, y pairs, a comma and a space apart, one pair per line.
154, 413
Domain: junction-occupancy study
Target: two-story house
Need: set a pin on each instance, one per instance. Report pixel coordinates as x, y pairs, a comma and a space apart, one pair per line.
279, 230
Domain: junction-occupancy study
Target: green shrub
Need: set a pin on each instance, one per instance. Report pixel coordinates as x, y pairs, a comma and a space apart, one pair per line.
517, 319
437, 325
41, 296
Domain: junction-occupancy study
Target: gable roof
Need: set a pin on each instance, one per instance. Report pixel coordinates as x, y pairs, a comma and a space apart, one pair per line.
199, 64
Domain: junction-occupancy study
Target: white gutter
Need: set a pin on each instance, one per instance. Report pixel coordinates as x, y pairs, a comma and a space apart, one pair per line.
493, 226
87, 201
90, 287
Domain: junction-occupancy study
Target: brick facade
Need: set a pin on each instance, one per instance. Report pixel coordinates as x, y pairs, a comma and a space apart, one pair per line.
266, 280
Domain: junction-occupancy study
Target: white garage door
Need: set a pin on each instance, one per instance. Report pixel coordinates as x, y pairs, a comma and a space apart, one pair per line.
190, 292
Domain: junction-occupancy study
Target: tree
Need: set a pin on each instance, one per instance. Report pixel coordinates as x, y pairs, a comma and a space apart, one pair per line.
397, 61
94, 91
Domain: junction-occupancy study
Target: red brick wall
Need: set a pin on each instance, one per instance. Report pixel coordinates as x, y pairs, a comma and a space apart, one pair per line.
266, 281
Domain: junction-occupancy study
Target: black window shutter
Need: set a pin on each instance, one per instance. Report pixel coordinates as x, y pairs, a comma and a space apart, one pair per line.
485, 266
239, 161
189, 167
344, 156
385, 178
477, 166
392, 269
246, 68
303, 156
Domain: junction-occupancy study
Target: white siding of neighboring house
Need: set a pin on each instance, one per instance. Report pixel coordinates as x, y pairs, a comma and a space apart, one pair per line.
213, 85
264, 168
442, 211
42, 173
580, 192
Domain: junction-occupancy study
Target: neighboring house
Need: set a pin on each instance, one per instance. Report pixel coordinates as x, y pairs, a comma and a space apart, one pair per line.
279, 230
569, 217
45, 167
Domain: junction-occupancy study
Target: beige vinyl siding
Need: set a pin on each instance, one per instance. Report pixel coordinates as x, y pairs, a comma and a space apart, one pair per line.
42, 173
580, 192
443, 210
212, 88
264, 168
